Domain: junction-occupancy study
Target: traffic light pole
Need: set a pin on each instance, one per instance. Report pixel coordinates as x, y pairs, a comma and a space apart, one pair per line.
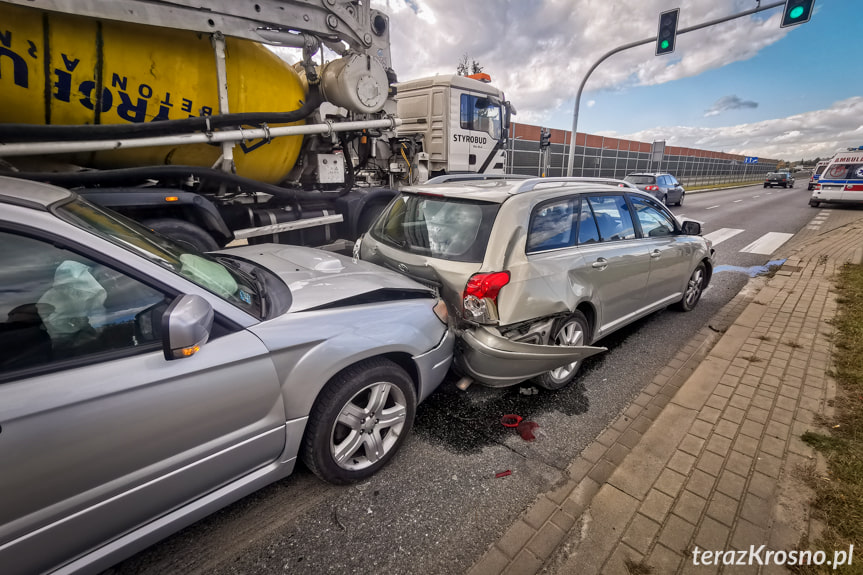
571, 157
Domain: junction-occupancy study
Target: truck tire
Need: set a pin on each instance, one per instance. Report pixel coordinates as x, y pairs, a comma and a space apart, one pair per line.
341, 448
184, 233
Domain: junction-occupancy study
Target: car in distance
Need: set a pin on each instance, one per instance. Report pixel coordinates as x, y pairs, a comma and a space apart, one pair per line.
816, 173
784, 179
662, 186
144, 386
535, 270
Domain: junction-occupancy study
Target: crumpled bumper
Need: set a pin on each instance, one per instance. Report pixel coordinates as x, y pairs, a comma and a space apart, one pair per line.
496, 361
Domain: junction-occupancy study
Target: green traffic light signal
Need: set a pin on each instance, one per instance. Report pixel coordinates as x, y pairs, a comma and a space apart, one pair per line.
667, 32
796, 12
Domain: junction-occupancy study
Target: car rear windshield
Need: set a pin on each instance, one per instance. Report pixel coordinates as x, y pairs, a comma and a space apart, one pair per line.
640, 180
820, 169
446, 228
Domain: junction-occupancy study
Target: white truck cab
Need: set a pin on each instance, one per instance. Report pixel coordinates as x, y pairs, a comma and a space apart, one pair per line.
842, 179
464, 121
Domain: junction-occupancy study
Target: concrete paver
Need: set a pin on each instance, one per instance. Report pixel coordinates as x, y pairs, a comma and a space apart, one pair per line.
705, 454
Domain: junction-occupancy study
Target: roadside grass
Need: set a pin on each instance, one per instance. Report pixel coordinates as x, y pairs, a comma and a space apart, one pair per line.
839, 496
722, 185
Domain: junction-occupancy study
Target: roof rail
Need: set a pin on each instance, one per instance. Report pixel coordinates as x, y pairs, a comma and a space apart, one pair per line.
465, 177
532, 183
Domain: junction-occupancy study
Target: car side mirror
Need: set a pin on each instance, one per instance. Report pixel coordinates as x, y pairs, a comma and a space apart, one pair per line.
186, 326
691, 228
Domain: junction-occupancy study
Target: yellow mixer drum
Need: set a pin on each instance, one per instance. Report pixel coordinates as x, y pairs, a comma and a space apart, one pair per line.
61, 69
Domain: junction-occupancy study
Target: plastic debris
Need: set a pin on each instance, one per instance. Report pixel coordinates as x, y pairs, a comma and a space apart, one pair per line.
528, 390
502, 474
525, 429
510, 420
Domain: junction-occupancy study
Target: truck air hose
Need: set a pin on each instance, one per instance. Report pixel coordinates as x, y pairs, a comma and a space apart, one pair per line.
135, 176
20, 133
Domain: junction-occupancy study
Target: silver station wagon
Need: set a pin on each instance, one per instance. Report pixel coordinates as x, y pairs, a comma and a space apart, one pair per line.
535, 270
143, 385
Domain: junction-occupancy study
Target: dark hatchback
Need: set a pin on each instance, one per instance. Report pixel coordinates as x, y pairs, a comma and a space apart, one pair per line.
784, 179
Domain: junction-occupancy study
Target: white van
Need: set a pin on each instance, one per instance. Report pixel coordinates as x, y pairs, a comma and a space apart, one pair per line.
816, 173
842, 180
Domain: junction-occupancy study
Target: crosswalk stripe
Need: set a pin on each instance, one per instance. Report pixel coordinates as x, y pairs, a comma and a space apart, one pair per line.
721, 235
767, 244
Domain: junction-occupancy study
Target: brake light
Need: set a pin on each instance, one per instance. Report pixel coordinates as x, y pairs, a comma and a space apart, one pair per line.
651, 189
480, 296
817, 186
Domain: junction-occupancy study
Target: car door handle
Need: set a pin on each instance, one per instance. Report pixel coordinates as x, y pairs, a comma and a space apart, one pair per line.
600, 264
655, 253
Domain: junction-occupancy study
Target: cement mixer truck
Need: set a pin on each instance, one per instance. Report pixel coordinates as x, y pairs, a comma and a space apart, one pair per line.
180, 116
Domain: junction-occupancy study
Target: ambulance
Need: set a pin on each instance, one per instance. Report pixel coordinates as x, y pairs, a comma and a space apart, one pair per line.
842, 180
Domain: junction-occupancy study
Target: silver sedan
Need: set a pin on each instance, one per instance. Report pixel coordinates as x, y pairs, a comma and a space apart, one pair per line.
143, 386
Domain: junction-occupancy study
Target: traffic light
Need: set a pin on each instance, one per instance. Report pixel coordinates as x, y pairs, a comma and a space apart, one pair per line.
668, 31
796, 12
544, 137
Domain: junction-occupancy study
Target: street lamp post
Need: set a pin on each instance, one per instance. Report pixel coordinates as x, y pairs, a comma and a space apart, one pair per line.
571, 157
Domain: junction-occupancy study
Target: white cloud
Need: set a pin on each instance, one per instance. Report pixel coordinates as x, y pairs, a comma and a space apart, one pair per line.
538, 51
807, 135
591, 103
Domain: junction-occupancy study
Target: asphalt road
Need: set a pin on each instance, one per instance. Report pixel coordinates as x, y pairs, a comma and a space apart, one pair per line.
437, 506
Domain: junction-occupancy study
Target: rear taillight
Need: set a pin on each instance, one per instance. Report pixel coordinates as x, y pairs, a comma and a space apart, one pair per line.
651, 189
817, 187
480, 296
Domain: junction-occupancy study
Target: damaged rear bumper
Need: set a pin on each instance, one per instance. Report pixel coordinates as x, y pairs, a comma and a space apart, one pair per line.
496, 361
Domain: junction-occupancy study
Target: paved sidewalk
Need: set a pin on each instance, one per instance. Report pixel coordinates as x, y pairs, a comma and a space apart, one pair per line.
709, 454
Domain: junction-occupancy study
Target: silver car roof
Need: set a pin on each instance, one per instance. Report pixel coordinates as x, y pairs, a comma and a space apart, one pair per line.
34, 194
498, 190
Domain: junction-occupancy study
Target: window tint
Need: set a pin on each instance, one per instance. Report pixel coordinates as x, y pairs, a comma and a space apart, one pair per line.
640, 180
552, 226
445, 228
481, 115
56, 305
654, 222
587, 230
613, 218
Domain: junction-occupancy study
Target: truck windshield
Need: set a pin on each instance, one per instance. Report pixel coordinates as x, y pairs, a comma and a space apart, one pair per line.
231, 284
445, 228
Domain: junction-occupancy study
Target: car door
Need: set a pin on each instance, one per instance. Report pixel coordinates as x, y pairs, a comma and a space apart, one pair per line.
615, 263
670, 258
100, 433
678, 190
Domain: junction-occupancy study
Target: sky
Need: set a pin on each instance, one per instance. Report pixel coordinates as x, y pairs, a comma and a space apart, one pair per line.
745, 87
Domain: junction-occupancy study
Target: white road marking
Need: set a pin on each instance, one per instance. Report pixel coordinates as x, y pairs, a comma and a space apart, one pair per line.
721, 235
737, 201
711, 207
769, 193
767, 244
756, 196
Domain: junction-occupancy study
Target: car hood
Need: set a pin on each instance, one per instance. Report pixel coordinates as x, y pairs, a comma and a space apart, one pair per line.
318, 278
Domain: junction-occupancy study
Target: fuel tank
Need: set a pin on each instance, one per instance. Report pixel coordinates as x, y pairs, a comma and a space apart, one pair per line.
62, 69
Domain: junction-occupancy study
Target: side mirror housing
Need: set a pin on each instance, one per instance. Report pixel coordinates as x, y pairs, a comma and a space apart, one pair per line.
691, 228
186, 326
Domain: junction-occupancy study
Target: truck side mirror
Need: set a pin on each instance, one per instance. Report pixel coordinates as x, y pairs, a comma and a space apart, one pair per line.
186, 326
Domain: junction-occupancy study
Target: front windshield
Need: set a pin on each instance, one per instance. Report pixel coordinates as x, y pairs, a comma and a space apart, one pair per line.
229, 283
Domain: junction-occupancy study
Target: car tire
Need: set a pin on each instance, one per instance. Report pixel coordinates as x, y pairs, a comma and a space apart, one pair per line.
814, 203
680, 200
341, 448
571, 330
765, 185
184, 233
664, 199
694, 288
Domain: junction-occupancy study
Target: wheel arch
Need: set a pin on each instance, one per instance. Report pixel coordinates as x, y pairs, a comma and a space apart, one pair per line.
589, 312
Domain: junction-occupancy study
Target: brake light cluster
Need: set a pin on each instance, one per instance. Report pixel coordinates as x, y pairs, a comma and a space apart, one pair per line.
480, 296
651, 188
